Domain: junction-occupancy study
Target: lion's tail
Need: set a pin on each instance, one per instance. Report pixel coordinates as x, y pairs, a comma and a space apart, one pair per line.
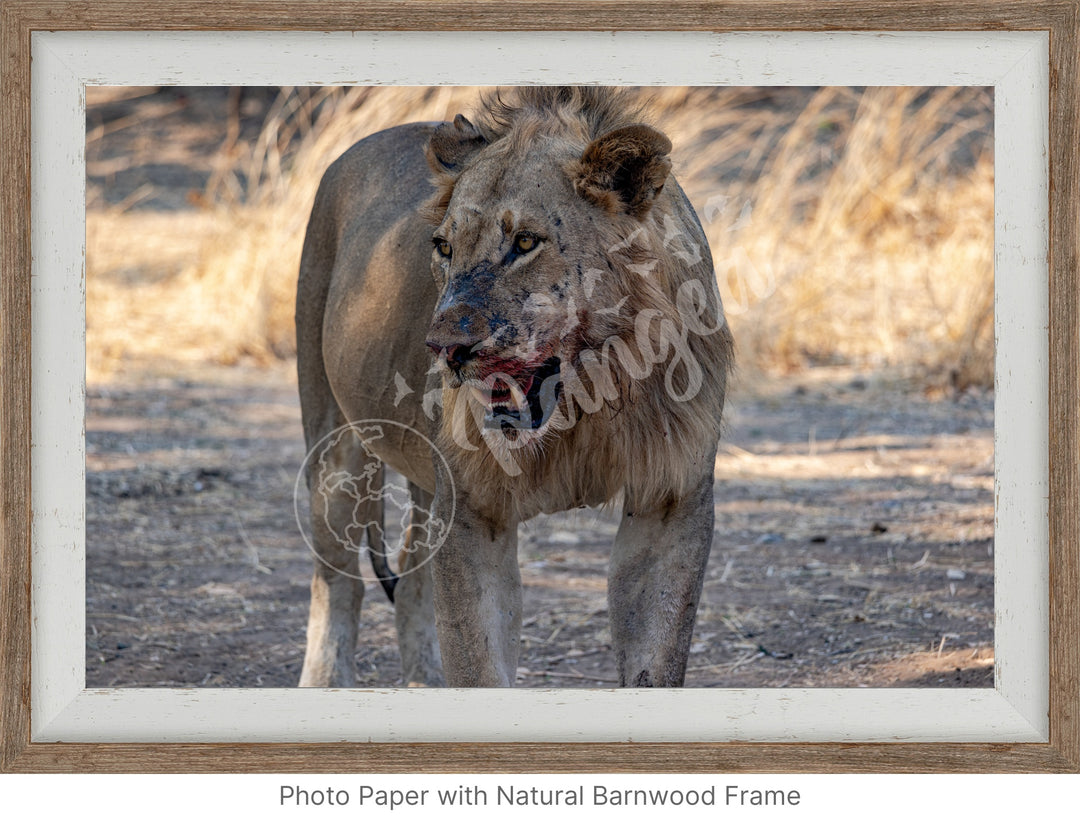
387, 577
377, 551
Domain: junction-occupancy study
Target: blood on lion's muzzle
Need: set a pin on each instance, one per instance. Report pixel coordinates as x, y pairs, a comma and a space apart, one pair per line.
527, 405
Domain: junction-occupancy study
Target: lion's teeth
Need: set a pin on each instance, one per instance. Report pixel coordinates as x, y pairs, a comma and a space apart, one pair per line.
485, 393
481, 395
518, 396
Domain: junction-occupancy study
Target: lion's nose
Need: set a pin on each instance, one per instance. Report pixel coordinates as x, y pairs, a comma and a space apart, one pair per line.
457, 353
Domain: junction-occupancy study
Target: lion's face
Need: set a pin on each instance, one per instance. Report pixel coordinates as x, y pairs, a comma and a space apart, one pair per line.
521, 256
506, 259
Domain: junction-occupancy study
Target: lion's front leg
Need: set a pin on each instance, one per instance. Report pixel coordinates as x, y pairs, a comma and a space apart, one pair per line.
414, 612
477, 588
657, 568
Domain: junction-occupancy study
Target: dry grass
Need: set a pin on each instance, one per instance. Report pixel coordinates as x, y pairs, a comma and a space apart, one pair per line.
851, 226
220, 280
846, 225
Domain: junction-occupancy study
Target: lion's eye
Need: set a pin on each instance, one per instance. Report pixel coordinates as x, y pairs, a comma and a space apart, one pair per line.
524, 243
444, 248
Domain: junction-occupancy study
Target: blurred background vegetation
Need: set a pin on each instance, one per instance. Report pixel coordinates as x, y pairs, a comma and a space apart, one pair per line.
848, 226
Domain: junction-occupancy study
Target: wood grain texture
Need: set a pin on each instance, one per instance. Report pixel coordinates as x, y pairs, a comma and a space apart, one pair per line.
543, 758
18, 18
1064, 387
14, 386
526, 15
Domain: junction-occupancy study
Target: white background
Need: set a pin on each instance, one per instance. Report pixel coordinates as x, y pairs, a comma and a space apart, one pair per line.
828, 800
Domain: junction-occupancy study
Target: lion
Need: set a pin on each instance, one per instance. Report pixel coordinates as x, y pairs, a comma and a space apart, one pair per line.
531, 296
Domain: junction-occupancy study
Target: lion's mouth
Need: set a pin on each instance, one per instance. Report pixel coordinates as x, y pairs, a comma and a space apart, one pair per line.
523, 402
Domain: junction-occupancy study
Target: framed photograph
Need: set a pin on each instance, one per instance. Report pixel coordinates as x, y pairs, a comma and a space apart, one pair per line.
999, 86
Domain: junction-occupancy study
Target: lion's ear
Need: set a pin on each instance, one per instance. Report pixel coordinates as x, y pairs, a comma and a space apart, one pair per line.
452, 143
624, 170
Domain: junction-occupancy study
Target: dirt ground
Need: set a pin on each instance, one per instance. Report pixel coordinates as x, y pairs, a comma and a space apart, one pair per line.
853, 544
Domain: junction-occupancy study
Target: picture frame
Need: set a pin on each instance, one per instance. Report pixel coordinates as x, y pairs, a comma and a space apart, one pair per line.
33, 673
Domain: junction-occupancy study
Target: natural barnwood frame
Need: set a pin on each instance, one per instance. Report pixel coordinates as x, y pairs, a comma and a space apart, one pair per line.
1060, 18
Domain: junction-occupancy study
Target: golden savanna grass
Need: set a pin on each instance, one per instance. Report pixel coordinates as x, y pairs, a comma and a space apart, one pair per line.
846, 225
